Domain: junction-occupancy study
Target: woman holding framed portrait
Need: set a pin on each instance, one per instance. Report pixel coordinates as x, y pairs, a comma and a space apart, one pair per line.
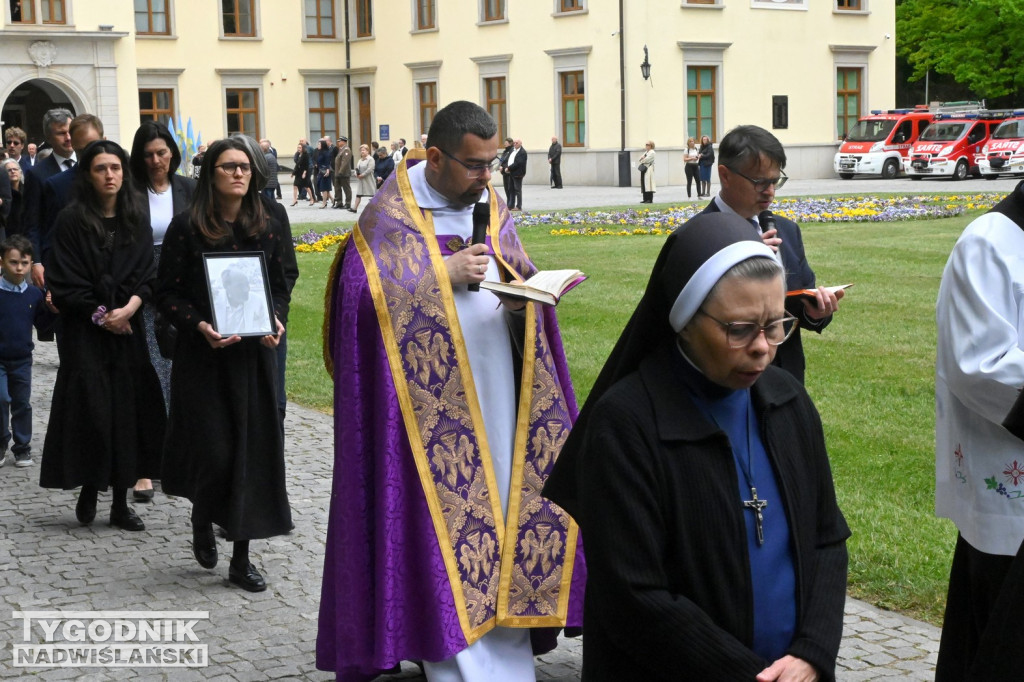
224, 442
107, 420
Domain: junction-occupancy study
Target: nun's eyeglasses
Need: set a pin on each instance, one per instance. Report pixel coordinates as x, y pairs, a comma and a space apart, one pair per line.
742, 334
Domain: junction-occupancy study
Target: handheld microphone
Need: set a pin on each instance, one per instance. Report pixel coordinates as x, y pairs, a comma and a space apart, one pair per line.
481, 219
766, 219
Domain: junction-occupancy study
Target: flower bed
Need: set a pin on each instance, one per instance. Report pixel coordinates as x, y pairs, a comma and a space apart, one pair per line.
646, 221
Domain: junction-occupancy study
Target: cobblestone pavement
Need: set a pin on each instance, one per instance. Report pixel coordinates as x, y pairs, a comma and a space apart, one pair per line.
48, 561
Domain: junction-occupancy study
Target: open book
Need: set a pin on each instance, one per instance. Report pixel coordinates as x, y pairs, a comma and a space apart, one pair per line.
812, 292
546, 286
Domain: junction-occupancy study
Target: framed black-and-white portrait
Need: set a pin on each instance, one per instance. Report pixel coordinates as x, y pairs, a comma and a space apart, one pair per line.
239, 293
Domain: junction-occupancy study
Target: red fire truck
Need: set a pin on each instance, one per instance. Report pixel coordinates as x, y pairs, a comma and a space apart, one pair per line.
879, 143
950, 145
1003, 154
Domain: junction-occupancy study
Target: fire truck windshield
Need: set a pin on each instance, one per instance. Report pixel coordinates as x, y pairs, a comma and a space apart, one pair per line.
1009, 130
943, 132
869, 130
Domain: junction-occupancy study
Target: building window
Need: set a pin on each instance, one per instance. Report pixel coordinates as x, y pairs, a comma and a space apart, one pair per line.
156, 105
238, 18
23, 11
365, 127
364, 18
847, 100
323, 112
849, 5
319, 18
570, 5
151, 17
574, 120
494, 91
700, 101
426, 94
53, 12
494, 10
699, 2
243, 112
426, 18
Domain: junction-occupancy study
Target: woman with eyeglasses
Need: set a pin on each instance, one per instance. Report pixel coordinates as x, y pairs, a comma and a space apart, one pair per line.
106, 427
367, 182
700, 480
225, 449
154, 160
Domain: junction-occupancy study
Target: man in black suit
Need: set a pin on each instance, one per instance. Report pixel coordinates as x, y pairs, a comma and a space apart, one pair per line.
517, 171
56, 128
555, 159
750, 164
401, 145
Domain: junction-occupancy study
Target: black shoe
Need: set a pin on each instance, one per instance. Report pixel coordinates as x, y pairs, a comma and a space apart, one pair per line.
143, 495
85, 510
247, 578
204, 546
126, 519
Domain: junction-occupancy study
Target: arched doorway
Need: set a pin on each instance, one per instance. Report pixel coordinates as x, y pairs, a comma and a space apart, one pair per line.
25, 106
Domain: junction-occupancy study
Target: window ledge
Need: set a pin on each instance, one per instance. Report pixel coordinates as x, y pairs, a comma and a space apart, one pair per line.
360, 39
492, 22
689, 5
156, 36
855, 12
573, 13
319, 39
249, 39
416, 31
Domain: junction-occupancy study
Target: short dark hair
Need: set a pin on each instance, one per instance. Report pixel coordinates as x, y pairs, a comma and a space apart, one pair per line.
147, 132
743, 143
457, 120
17, 242
82, 120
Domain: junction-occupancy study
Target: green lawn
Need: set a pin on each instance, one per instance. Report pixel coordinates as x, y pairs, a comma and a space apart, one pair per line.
870, 374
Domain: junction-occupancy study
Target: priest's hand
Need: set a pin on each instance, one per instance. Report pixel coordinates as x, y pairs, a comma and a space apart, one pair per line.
215, 340
788, 669
824, 304
272, 340
510, 303
771, 239
468, 266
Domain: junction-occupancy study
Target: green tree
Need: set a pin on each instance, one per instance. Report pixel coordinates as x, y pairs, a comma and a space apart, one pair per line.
979, 43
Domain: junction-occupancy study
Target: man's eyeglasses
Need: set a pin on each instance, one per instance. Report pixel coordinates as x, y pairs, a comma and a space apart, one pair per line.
741, 334
475, 171
16, 143
762, 184
230, 167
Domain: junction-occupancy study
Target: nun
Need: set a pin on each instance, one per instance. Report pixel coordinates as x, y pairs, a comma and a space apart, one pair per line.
699, 477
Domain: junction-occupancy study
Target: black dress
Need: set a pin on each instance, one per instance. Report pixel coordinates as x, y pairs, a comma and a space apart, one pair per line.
225, 449
107, 418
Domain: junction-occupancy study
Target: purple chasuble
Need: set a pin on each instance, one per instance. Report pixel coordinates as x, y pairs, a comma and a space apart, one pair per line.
418, 563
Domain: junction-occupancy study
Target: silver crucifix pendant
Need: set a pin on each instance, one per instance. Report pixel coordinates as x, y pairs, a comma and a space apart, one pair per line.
757, 505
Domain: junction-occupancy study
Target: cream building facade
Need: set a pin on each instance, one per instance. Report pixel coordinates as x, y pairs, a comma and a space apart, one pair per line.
379, 69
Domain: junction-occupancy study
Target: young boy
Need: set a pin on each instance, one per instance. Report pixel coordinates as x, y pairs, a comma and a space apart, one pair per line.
21, 307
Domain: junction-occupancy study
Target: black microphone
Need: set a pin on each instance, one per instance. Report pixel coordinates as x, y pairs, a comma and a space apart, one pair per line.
766, 219
481, 219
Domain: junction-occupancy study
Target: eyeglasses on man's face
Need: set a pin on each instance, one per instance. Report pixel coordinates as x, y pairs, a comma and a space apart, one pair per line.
742, 334
473, 171
762, 184
230, 167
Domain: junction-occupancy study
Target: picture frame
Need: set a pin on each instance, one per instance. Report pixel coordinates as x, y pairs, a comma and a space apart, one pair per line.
239, 293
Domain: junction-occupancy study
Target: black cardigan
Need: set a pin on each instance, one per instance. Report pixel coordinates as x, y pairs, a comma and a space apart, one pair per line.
669, 586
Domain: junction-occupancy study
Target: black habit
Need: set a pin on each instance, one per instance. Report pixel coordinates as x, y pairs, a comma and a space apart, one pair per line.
225, 448
666, 537
107, 418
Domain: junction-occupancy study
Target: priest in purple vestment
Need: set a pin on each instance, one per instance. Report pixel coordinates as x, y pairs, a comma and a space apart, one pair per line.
451, 407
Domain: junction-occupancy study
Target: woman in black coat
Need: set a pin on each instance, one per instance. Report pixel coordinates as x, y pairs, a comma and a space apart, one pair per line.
300, 175
12, 169
154, 162
107, 420
699, 477
225, 450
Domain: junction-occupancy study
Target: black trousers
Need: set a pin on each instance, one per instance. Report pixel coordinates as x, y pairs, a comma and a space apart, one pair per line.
692, 175
556, 175
506, 181
517, 193
983, 617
